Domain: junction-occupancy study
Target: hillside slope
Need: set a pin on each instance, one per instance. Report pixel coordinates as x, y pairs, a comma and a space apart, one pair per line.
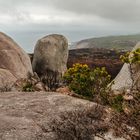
126, 42
97, 57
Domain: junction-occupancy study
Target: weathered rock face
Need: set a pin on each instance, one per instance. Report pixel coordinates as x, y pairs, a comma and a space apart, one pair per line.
50, 57
28, 116
14, 62
128, 76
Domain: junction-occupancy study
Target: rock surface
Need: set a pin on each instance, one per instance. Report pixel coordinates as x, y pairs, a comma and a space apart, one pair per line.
27, 116
14, 62
125, 79
50, 56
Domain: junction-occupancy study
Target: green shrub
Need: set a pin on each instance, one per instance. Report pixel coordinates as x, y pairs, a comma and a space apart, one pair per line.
131, 57
78, 79
100, 79
88, 82
28, 87
116, 102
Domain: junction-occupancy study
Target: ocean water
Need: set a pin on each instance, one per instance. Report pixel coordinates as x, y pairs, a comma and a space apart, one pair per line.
28, 39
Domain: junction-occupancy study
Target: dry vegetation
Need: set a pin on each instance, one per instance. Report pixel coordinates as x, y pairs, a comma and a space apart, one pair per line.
82, 124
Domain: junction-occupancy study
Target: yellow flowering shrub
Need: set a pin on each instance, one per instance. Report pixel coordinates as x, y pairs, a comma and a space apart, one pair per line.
78, 79
131, 57
87, 82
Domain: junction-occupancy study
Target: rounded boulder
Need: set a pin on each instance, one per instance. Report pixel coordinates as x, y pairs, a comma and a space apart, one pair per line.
14, 62
50, 58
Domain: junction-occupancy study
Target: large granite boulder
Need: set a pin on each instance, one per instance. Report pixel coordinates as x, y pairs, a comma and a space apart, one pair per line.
51, 116
14, 62
128, 77
50, 58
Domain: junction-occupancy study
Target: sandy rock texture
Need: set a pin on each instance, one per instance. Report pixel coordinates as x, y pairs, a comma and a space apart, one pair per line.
28, 116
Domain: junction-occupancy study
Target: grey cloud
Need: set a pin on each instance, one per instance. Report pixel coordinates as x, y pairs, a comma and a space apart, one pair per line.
121, 10
112, 9
116, 10
75, 12
76, 19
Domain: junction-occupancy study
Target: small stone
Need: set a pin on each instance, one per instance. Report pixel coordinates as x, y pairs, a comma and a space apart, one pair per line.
64, 90
128, 97
46, 88
39, 87
126, 110
128, 91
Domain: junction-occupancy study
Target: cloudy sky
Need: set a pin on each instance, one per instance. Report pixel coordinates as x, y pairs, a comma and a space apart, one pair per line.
28, 20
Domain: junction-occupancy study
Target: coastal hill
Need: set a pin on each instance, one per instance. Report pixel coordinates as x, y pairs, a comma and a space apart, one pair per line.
125, 42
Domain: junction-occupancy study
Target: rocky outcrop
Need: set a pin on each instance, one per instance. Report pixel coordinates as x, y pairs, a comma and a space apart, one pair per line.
128, 76
14, 62
50, 58
50, 116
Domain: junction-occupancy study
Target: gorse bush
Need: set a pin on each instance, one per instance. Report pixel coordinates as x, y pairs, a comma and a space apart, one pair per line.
78, 79
131, 57
87, 82
100, 79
